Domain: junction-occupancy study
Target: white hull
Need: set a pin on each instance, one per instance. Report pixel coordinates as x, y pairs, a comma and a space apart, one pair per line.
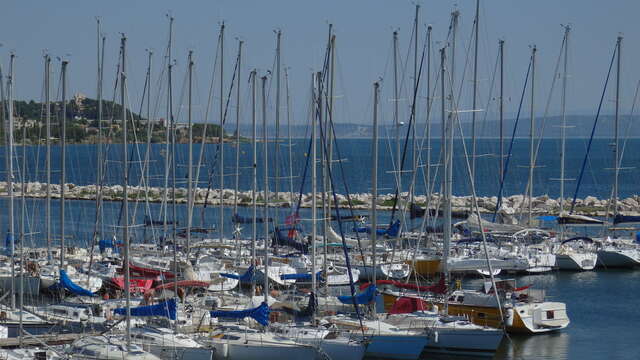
390, 346
576, 261
262, 351
619, 258
464, 342
338, 349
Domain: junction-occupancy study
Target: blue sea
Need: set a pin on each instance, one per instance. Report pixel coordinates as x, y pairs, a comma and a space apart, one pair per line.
602, 304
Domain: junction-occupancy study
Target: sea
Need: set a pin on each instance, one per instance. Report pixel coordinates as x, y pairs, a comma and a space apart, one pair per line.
602, 304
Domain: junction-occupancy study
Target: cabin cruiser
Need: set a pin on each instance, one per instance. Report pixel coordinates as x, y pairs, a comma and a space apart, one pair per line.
107, 348
619, 253
578, 253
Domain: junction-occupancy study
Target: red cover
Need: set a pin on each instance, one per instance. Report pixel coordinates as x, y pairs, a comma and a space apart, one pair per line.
147, 272
406, 305
182, 284
136, 285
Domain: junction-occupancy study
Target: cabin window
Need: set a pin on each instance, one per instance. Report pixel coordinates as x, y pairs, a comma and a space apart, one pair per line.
460, 298
550, 314
481, 315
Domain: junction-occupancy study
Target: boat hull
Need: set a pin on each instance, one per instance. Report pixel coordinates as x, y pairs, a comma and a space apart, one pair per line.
464, 342
576, 262
614, 258
388, 346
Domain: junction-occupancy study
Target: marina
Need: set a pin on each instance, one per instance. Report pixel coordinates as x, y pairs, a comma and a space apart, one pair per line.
216, 202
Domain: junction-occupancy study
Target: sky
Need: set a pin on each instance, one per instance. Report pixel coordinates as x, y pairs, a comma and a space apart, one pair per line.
67, 29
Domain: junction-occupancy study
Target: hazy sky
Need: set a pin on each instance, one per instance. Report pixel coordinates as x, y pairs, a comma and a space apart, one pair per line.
363, 29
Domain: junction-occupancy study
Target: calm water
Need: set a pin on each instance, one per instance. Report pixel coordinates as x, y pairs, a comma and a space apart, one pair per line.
354, 174
602, 305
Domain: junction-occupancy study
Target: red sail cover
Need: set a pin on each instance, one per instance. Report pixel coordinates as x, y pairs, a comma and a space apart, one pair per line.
135, 285
406, 305
439, 288
146, 272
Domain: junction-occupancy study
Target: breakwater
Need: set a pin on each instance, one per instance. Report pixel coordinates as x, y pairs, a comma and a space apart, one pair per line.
543, 204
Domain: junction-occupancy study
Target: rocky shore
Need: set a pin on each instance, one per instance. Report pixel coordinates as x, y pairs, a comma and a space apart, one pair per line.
544, 204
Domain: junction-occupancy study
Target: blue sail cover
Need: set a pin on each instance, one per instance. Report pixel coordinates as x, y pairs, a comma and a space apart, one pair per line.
66, 283
8, 242
300, 276
281, 237
361, 299
259, 314
166, 309
391, 231
246, 277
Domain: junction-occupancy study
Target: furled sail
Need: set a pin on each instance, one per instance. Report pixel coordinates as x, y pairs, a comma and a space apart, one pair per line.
166, 309
363, 298
66, 283
259, 314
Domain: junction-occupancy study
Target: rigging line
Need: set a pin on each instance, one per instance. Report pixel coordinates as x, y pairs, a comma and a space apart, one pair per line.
545, 116
593, 131
408, 135
513, 137
220, 146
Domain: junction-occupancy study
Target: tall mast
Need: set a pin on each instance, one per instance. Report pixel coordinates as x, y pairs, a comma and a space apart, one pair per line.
396, 119
266, 189
374, 185
63, 158
221, 138
99, 138
314, 211
616, 153
237, 172
475, 89
286, 84
254, 176
10, 177
47, 97
414, 154
167, 136
501, 108
276, 164
428, 124
190, 160
446, 228
237, 175
23, 220
125, 190
563, 125
532, 132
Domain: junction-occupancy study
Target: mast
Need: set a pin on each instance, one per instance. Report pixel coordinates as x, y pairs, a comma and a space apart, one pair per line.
396, 119
237, 172
276, 164
314, 211
125, 190
63, 158
446, 227
428, 124
254, 176
501, 108
616, 154
475, 90
190, 160
415, 110
532, 133
23, 219
286, 82
563, 125
99, 154
237, 175
47, 96
167, 135
374, 185
266, 189
221, 138
10, 177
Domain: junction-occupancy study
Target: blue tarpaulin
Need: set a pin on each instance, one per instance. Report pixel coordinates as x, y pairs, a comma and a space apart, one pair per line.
8, 242
300, 276
166, 309
66, 283
391, 231
259, 314
246, 277
361, 299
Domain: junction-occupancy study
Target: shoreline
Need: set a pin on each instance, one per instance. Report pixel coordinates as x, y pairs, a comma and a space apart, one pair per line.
589, 206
